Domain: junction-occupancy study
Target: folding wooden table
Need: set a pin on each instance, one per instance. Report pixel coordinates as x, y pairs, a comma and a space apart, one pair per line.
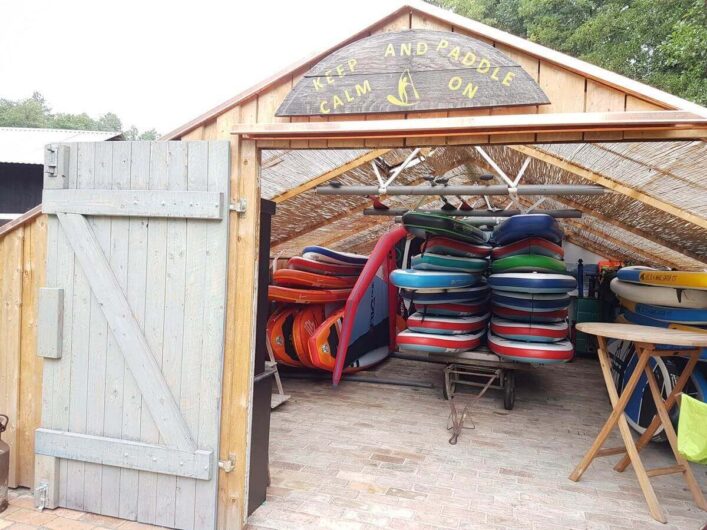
645, 338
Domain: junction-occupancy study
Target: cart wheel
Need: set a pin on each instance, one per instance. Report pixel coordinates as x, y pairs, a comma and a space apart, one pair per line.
509, 390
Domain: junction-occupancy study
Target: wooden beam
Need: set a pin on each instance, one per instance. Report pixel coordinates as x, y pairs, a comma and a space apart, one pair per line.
618, 187
673, 245
329, 175
22, 219
645, 121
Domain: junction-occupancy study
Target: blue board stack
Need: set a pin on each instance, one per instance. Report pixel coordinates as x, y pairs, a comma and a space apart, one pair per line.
445, 286
529, 291
667, 299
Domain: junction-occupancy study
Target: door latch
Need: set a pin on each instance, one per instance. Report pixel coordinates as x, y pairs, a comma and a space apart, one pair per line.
239, 206
228, 465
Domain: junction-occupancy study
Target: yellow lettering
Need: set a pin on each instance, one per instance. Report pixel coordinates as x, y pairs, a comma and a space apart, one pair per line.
329, 79
324, 107
484, 66
340, 70
352, 64
317, 83
406, 49
421, 48
337, 102
442, 44
454, 54
507, 80
494, 74
389, 51
349, 99
455, 83
469, 59
361, 90
470, 90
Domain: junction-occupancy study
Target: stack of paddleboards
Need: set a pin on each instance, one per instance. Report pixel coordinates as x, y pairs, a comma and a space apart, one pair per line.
308, 294
445, 288
529, 291
667, 299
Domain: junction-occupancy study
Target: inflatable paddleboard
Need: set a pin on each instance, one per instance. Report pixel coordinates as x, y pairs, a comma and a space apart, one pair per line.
453, 310
531, 352
663, 296
295, 278
674, 279
324, 345
307, 319
415, 279
422, 323
530, 245
523, 331
437, 343
532, 282
667, 314
527, 263
523, 226
446, 296
427, 224
437, 262
523, 315
307, 296
279, 338
451, 247
332, 256
531, 302
320, 267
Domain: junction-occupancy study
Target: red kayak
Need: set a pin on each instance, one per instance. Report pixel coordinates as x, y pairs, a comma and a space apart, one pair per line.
307, 296
279, 339
529, 316
320, 267
529, 245
450, 247
296, 278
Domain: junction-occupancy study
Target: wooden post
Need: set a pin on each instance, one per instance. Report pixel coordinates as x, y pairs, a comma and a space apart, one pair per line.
240, 321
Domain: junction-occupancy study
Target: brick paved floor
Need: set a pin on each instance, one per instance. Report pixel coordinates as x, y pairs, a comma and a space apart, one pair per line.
373, 456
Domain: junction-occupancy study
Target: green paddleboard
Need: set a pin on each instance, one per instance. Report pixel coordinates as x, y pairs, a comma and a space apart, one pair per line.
528, 263
438, 262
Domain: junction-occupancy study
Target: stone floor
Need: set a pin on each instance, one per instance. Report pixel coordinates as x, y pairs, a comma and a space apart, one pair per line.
377, 456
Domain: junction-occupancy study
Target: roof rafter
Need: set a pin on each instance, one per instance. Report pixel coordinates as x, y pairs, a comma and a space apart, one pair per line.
329, 175
607, 182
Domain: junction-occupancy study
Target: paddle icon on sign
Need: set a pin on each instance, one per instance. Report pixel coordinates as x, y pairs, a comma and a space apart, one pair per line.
403, 99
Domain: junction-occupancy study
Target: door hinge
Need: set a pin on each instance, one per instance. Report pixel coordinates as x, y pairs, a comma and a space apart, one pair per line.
239, 206
228, 465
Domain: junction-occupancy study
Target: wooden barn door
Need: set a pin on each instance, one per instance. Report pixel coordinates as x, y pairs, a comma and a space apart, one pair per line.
132, 329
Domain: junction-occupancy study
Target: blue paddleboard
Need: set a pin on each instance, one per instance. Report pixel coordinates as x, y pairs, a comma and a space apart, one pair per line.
677, 315
332, 256
447, 296
416, 279
533, 302
533, 282
528, 225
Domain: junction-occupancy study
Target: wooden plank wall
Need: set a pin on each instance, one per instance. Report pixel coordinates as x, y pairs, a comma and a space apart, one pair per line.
22, 267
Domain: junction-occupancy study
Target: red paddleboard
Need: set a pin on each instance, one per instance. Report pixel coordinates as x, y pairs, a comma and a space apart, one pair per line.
450, 247
524, 331
410, 340
531, 352
529, 245
446, 325
529, 316
320, 267
307, 320
279, 338
307, 296
295, 278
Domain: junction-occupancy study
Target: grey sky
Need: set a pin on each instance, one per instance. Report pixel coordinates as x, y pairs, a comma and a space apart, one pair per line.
159, 63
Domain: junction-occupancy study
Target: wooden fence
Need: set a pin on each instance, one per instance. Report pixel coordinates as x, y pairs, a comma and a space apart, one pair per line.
22, 267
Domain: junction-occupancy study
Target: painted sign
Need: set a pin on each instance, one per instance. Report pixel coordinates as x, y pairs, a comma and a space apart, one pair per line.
411, 71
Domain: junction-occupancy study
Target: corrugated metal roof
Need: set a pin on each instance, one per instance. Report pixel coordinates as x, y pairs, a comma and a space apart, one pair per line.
26, 146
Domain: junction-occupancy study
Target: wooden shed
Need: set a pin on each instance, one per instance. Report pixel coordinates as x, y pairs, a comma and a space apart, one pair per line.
144, 368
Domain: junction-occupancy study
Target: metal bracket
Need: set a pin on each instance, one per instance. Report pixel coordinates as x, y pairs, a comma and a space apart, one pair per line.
228, 465
57, 161
239, 206
40, 493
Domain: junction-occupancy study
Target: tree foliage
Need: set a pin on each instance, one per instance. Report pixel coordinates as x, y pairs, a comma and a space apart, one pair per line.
35, 112
659, 42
